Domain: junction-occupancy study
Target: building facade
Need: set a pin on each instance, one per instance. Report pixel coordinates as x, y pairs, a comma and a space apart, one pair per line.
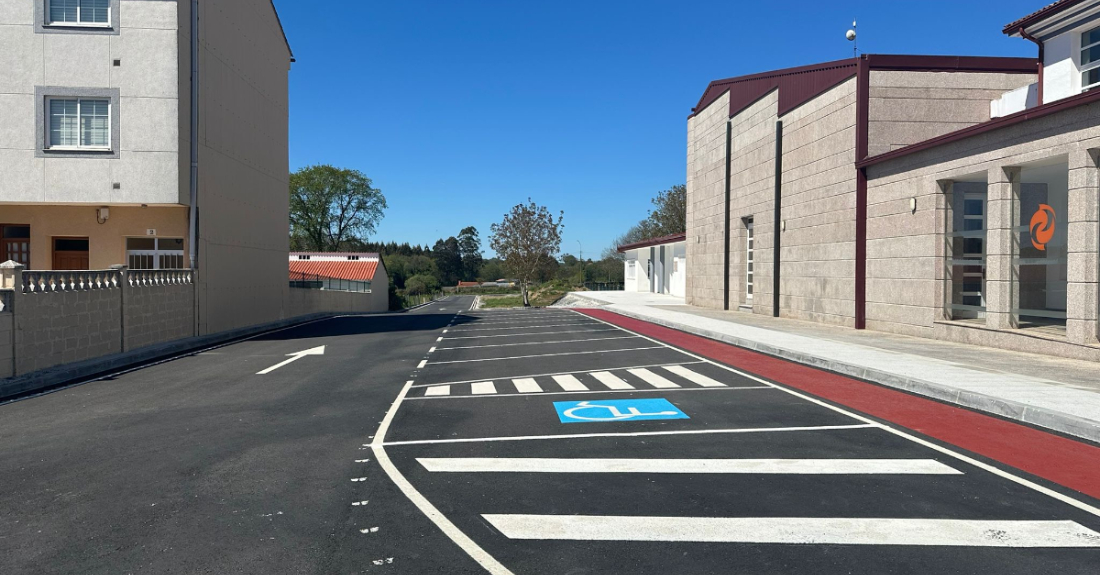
658, 265
869, 190
134, 134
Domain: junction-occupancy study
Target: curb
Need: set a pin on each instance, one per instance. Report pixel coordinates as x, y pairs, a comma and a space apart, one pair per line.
87, 371
1052, 420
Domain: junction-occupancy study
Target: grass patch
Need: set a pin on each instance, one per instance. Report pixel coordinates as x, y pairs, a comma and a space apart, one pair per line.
542, 296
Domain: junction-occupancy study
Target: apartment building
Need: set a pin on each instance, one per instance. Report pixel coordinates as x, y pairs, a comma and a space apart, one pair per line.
944, 197
153, 134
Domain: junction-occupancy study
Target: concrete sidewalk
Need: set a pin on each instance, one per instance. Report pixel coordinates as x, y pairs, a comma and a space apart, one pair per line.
1058, 394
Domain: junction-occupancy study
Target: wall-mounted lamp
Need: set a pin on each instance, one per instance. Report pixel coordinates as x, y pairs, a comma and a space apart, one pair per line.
102, 215
913, 205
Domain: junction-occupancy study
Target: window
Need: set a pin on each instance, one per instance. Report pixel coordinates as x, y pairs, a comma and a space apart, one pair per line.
1042, 244
15, 244
1090, 59
749, 239
79, 124
154, 253
966, 243
630, 273
79, 12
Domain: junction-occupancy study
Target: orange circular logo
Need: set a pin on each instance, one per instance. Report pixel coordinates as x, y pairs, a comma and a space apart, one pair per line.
1042, 227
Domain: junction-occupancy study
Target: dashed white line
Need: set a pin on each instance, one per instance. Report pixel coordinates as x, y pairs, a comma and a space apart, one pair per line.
525, 385
596, 392
422, 364
359, 503
533, 333
431, 350
483, 388
611, 380
542, 342
569, 382
652, 378
562, 373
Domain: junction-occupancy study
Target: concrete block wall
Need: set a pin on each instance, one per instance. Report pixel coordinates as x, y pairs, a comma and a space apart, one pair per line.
906, 107
7, 342
705, 204
906, 258
54, 328
817, 269
156, 314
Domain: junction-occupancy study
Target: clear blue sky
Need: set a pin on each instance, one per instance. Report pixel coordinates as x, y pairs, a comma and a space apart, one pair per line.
460, 109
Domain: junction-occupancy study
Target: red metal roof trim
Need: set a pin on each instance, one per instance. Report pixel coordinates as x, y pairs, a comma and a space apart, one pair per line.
362, 270
654, 242
1042, 14
995, 124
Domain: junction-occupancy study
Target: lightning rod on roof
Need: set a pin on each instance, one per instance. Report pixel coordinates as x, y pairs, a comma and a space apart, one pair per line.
851, 35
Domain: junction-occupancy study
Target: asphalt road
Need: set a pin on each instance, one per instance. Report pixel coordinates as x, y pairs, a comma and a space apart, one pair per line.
545, 441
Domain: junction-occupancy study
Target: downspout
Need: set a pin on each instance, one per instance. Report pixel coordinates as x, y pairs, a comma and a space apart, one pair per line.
194, 227
1042, 59
726, 233
863, 105
777, 231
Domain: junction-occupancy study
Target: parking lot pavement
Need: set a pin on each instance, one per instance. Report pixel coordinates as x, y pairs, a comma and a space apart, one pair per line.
552, 442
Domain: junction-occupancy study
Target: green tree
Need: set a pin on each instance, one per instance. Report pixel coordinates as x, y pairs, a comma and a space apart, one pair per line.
448, 261
491, 271
332, 208
469, 248
421, 284
668, 217
528, 239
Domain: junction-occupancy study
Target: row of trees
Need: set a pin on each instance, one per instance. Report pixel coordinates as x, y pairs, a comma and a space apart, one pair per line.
668, 216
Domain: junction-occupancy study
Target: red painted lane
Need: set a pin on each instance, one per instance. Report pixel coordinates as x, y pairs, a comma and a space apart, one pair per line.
1070, 463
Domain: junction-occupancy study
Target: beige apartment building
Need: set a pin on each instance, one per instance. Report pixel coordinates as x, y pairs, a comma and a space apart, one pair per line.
946, 197
141, 133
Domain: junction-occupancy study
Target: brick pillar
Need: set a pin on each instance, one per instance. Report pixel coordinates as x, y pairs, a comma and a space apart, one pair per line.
1084, 235
1003, 203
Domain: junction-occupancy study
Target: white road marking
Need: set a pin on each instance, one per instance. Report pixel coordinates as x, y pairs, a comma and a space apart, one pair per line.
652, 378
431, 350
294, 357
635, 434
694, 377
543, 342
439, 339
422, 363
799, 530
695, 466
534, 333
358, 479
386, 561
611, 380
449, 529
370, 530
526, 385
444, 331
359, 503
438, 390
979, 464
464, 330
362, 461
569, 382
482, 388
547, 355
598, 392
558, 373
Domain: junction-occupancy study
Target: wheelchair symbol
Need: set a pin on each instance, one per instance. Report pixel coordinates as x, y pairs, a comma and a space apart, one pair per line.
611, 413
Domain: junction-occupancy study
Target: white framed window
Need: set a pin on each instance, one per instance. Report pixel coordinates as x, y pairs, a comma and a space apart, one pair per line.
630, 269
154, 253
1090, 59
749, 253
90, 13
79, 124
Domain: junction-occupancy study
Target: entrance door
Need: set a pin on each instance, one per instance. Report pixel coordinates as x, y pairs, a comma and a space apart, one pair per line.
70, 253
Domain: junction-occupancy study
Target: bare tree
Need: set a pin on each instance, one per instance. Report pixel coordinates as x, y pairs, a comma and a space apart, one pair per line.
527, 240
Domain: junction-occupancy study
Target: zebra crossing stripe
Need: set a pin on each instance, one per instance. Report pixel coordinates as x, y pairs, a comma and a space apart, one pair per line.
526, 385
438, 390
693, 377
652, 378
800, 530
692, 466
483, 388
611, 380
569, 383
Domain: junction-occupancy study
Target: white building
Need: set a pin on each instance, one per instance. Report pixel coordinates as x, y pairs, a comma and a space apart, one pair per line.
658, 265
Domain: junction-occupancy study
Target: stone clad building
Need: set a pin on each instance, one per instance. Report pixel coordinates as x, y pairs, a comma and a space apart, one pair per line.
945, 197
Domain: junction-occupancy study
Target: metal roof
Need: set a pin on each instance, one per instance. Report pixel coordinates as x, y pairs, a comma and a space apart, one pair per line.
1045, 12
671, 239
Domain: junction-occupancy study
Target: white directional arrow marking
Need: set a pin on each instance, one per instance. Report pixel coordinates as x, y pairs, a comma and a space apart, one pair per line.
293, 358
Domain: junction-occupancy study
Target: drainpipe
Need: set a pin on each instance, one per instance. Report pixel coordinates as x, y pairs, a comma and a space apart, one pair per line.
1042, 50
194, 229
777, 217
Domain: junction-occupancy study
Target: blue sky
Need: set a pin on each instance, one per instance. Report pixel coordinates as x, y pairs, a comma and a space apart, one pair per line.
460, 109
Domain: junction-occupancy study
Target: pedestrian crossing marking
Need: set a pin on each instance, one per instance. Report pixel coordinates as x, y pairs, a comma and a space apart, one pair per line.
693, 377
800, 530
526, 385
569, 383
651, 378
611, 381
438, 391
483, 388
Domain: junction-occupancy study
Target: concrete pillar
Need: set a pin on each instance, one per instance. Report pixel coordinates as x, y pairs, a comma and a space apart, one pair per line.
11, 275
945, 214
1002, 205
1083, 297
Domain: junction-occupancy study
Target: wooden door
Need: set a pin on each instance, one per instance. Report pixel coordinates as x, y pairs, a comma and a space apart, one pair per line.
70, 253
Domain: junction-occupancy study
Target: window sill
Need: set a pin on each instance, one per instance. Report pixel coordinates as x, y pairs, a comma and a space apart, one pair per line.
78, 149
78, 25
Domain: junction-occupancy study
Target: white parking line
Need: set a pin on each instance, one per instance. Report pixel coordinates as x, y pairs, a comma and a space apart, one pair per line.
800, 530
634, 434
652, 378
692, 466
422, 363
547, 355
569, 382
542, 342
611, 380
465, 330
532, 333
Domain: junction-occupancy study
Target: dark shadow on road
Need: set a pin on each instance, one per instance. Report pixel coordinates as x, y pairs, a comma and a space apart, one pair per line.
366, 324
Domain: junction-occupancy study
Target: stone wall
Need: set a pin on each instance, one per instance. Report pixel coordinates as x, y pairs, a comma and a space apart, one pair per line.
705, 204
905, 267
907, 107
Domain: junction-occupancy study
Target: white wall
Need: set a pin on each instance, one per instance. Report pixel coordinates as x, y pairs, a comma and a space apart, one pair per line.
1060, 76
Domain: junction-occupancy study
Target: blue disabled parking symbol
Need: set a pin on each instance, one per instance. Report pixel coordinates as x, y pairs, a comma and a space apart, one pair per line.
617, 410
